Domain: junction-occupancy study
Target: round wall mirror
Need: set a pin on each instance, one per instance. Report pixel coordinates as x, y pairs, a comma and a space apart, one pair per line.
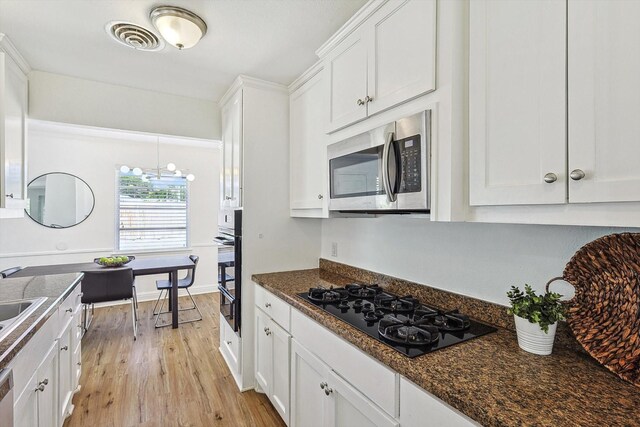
59, 200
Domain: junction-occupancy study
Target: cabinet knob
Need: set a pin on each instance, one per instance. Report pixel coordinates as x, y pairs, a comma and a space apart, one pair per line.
320, 197
10, 196
267, 331
228, 342
227, 197
550, 178
79, 363
40, 388
69, 310
267, 304
360, 102
323, 385
81, 294
577, 174
65, 348
328, 391
368, 99
45, 381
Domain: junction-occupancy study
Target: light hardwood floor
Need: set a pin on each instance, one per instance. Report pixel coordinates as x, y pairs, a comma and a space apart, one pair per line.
168, 377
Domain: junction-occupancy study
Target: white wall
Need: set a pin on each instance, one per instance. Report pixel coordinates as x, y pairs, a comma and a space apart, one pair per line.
57, 98
94, 155
474, 259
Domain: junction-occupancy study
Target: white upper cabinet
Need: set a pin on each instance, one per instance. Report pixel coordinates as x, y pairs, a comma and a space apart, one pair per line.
517, 102
346, 71
13, 115
231, 168
604, 100
403, 43
390, 58
308, 151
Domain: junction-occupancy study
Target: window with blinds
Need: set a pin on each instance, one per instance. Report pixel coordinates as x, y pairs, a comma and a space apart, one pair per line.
152, 212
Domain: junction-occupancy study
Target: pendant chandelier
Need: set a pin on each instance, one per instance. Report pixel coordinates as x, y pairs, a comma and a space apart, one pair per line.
156, 173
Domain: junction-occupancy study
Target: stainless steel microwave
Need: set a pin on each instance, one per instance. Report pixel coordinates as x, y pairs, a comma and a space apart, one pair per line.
384, 170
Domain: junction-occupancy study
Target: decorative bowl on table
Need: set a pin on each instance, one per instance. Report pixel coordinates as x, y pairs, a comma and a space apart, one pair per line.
113, 261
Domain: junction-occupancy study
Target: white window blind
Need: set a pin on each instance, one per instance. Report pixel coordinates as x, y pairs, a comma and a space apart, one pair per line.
152, 213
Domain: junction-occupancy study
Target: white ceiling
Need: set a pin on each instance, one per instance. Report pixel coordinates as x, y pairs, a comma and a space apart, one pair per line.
273, 40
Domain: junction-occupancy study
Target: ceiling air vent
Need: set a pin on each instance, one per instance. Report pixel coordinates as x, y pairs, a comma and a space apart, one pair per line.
134, 36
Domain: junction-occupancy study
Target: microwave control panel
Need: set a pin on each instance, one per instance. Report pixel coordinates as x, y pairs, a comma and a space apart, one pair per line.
410, 155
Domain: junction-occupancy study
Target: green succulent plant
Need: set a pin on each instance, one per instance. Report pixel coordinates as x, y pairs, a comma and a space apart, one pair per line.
543, 309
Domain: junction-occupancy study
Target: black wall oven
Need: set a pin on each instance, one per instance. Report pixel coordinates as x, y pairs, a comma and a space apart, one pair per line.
230, 267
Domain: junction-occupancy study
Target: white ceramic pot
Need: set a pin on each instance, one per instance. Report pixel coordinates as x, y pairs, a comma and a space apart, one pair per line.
533, 339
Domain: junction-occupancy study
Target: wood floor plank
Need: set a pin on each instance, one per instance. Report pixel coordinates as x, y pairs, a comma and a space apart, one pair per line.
167, 377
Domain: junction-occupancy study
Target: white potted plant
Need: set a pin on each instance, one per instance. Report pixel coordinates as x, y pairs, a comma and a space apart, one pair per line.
536, 318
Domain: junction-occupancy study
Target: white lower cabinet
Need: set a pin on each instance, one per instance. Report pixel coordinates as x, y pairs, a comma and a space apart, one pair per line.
47, 370
272, 362
230, 347
420, 409
319, 397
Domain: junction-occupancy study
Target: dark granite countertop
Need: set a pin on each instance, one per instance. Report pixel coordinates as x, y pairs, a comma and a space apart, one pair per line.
55, 288
490, 379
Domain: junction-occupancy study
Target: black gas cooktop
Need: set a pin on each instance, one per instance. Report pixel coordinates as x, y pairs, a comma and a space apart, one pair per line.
401, 322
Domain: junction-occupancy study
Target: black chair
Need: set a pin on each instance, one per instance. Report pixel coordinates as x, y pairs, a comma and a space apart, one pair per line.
184, 283
9, 271
110, 285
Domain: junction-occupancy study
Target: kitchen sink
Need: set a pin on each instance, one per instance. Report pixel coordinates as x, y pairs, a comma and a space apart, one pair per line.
13, 313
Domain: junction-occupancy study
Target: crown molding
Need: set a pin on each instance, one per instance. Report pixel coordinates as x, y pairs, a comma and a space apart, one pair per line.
350, 26
243, 81
10, 49
306, 76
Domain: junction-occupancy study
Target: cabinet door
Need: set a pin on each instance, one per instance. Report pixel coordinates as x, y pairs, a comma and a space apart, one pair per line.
517, 108
280, 383
66, 372
25, 409
346, 79
420, 409
349, 407
308, 109
47, 375
308, 399
264, 352
13, 97
604, 100
403, 63
231, 179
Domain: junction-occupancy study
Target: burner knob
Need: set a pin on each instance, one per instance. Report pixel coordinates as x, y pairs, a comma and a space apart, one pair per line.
323, 385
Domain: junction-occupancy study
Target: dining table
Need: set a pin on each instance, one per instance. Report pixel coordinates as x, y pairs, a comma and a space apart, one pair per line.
140, 266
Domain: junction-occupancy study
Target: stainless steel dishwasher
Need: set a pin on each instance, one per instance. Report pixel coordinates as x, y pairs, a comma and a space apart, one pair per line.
6, 397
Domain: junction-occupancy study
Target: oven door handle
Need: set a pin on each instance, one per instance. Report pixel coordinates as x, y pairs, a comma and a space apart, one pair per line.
386, 180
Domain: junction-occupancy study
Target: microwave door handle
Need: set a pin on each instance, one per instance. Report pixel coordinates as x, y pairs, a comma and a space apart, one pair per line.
386, 181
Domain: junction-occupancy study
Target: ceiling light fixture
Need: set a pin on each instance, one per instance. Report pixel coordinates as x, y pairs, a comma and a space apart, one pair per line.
179, 27
158, 172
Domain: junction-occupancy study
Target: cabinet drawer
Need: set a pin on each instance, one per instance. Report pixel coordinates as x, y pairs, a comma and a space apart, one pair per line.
69, 306
274, 307
377, 382
229, 345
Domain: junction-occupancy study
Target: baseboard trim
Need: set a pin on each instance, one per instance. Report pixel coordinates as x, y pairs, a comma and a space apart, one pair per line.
153, 295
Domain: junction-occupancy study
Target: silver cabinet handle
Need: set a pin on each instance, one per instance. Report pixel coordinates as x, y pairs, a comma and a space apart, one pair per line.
320, 196
368, 99
328, 391
79, 363
267, 331
391, 196
40, 388
267, 304
69, 310
10, 196
577, 174
360, 102
65, 348
550, 178
45, 381
323, 385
